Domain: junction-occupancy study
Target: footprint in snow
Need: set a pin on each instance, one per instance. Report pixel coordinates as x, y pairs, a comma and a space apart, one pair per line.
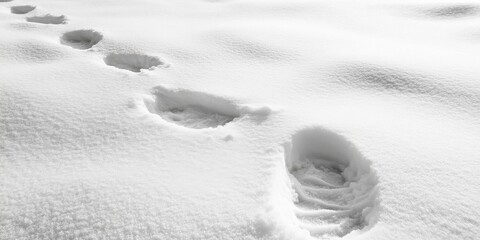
132, 61
81, 39
48, 19
198, 110
454, 11
23, 9
335, 189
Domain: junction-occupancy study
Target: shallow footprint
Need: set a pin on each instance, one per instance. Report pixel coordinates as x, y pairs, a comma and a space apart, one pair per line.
335, 189
48, 19
22, 9
198, 110
454, 11
81, 39
132, 61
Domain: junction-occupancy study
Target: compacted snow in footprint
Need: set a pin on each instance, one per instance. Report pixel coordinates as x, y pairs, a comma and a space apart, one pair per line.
239, 119
132, 62
81, 39
197, 110
455, 11
335, 189
22, 9
48, 19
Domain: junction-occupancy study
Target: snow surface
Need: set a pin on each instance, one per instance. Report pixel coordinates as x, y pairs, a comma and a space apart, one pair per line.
239, 119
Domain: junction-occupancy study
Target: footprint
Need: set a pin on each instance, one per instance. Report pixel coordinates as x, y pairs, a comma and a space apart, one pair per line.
22, 9
48, 19
81, 39
132, 62
198, 110
335, 188
454, 11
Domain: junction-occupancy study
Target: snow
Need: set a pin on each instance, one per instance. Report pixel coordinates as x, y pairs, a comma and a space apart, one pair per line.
239, 119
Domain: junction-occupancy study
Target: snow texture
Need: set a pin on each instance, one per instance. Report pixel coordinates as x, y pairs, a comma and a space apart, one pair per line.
239, 119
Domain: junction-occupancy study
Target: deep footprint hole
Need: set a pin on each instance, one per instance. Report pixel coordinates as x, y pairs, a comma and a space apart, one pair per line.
133, 62
22, 9
336, 189
81, 39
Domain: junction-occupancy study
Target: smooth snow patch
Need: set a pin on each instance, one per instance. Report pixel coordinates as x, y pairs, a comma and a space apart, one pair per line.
198, 110
335, 190
248, 48
22, 9
132, 62
81, 39
48, 19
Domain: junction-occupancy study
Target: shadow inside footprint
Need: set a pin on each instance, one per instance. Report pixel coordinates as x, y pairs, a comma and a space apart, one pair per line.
198, 110
455, 11
48, 19
22, 9
336, 190
132, 62
81, 39
193, 109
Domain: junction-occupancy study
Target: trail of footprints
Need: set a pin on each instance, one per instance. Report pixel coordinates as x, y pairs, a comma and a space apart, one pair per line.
87, 38
335, 190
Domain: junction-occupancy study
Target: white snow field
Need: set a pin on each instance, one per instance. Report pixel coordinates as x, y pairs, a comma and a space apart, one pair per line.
239, 119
